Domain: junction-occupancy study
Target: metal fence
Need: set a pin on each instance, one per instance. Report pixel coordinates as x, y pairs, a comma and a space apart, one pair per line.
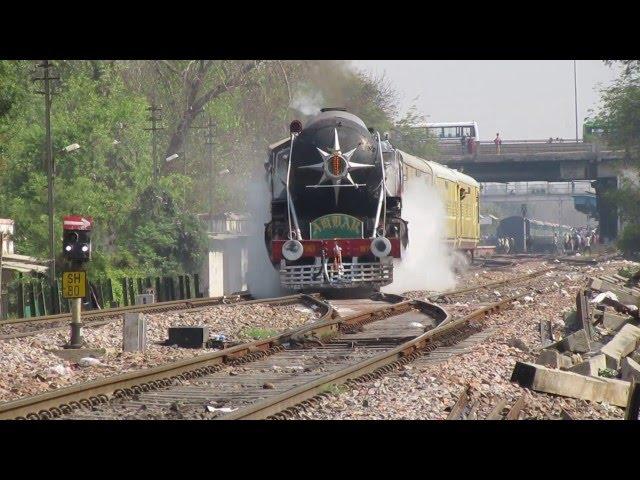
30, 296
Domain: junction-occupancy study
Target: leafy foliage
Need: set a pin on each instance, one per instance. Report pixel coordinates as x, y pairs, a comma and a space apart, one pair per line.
620, 116
144, 227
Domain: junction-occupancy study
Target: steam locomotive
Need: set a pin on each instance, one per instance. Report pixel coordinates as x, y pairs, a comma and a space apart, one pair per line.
336, 203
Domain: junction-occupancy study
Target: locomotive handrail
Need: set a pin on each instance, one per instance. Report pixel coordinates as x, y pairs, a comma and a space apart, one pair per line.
383, 185
291, 209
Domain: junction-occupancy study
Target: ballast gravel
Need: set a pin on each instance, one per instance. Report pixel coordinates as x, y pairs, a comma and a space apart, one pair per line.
422, 391
27, 366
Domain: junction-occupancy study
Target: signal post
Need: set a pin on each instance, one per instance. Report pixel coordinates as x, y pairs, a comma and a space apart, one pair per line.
76, 249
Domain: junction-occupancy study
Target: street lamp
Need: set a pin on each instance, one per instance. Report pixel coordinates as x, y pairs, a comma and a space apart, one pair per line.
224, 172
171, 157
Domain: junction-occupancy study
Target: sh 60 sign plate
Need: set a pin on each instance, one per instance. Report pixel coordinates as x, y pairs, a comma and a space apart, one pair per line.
74, 284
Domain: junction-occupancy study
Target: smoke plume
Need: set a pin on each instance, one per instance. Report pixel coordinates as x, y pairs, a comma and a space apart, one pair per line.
427, 263
262, 279
307, 103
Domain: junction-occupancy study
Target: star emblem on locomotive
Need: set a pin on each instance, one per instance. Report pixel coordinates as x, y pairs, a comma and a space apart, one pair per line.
336, 166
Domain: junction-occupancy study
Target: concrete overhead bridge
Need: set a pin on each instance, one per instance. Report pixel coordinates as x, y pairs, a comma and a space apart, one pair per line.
542, 160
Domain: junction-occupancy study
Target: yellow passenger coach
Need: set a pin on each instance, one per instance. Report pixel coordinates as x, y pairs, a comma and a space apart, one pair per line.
460, 196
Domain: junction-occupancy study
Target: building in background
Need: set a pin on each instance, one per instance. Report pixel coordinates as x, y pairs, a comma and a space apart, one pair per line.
226, 263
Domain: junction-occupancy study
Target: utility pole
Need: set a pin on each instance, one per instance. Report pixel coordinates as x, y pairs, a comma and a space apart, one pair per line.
48, 151
575, 94
154, 119
209, 143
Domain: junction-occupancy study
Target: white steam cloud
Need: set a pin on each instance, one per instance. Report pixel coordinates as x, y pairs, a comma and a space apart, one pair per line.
307, 103
262, 279
427, 263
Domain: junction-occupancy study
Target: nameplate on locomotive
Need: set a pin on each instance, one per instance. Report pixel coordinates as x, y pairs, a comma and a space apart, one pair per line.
336, 225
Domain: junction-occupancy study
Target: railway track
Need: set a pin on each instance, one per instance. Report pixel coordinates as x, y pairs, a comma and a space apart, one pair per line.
96, 392
25, 327
268, 378
276, 377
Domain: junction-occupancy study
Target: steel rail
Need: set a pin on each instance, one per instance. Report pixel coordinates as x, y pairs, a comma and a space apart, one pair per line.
304, 298
64, 400
367, 369
160, 306
518, 278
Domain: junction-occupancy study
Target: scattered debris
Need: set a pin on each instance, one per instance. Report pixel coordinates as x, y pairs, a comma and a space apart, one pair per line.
89, 362
569, 384
209, 408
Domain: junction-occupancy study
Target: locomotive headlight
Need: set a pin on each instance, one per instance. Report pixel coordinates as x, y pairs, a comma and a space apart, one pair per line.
85, 248
336, 167
381, 247
292, 250
68, 248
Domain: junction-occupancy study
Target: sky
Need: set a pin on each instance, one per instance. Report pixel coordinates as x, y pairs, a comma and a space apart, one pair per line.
520, 99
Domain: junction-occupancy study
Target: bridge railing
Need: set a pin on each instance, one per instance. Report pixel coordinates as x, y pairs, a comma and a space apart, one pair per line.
577, 188
522, 147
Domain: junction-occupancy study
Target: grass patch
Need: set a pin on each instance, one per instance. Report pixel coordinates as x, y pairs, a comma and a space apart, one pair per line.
259, 333
334, 389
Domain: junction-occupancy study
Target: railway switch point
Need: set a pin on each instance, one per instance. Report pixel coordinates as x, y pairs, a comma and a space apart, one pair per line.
188, 337
134, 332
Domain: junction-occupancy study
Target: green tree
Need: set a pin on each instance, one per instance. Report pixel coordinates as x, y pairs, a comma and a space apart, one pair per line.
620, 115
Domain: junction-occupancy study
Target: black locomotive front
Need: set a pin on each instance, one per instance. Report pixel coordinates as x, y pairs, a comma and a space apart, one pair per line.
334, 223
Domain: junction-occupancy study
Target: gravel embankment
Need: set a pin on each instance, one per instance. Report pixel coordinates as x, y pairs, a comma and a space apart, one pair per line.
27, 367
421, 391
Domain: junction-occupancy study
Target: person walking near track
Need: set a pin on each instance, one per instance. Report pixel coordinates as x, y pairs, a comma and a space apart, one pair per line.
587, 244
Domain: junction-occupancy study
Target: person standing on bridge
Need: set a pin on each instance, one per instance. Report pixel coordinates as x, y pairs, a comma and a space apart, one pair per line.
498, 142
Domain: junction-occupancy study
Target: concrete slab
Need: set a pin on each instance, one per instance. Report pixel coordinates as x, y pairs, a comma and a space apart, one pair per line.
75, 354
145, 298
591, 366
614, 322
577, 342
630, 370
134, 332
570, 384
625, 295
553, 359
625, 342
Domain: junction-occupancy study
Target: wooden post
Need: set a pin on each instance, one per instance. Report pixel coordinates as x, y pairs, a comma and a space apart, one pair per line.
100, 293
125, 293
57, 294
181, 286
110, 292
159, 293
172, 288
20, 296
35, 310
132, 292
44, 297
187, 286
196, 286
